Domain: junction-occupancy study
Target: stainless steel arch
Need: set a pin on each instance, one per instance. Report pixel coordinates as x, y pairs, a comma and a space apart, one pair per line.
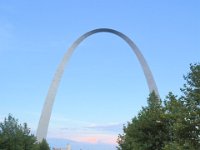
47, 108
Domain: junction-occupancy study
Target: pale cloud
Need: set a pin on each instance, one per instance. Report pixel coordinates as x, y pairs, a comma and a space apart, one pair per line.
83, 131
92, 133
110, 127
96, 138
62, 119
84, 136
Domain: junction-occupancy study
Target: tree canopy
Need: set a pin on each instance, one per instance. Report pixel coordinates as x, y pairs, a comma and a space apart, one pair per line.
172, 124
15, 136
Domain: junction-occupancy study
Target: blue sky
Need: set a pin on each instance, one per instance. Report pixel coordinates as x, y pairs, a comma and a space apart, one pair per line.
103, 86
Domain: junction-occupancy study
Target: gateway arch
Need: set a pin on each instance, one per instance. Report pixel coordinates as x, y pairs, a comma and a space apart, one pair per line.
48, 105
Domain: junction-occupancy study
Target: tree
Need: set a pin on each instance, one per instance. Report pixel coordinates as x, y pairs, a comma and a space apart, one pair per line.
44, 145
148, 130
191, 100
14, 136
175, 125
175, 114
183, 113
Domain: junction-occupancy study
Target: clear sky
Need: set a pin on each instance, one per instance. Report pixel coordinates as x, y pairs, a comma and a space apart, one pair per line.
103, 86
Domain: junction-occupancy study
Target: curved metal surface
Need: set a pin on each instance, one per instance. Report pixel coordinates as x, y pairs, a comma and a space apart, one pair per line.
47, 108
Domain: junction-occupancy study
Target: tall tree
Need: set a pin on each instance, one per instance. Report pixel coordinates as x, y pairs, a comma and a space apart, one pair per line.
175, 114
191, 99
146, 131
44, 145
172, 126
14, 136
8, 134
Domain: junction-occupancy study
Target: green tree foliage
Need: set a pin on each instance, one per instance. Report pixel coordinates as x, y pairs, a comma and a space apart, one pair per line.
146, 131
191, 100
44, 145
171, 125
14, 136
175, 116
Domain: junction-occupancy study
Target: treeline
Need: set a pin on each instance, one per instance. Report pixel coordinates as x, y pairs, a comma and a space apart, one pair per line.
15, 136
171, 124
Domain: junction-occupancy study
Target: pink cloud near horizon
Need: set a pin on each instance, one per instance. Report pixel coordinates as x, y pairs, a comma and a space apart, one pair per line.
88, 133
96, 138
86, 137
